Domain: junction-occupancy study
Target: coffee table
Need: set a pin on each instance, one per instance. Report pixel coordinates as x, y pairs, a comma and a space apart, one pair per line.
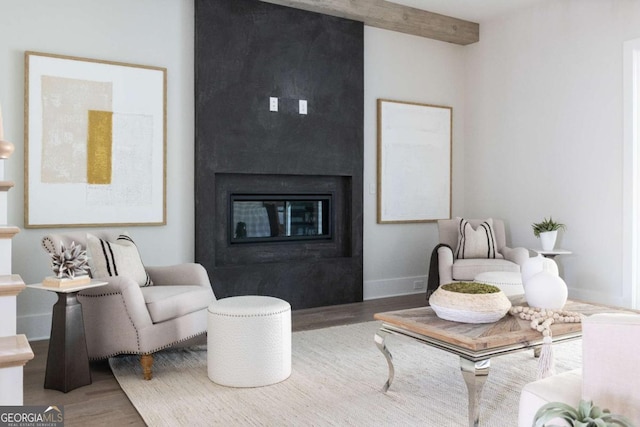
475, 344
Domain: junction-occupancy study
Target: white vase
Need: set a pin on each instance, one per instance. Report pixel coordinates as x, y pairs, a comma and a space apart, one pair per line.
545, 290
548, 239
531, 267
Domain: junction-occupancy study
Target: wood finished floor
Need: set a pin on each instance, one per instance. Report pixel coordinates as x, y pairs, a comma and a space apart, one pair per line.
103, 403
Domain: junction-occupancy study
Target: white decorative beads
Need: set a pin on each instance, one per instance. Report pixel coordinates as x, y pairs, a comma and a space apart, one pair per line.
542, 319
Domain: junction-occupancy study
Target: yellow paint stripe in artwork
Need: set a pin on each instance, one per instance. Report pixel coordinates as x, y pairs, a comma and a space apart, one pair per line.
99, 147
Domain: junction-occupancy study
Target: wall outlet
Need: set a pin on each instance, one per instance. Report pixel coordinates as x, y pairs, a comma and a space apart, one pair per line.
303, 106
273, 103
418, 284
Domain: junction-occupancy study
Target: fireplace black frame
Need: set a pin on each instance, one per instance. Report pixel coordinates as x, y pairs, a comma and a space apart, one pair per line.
328, 218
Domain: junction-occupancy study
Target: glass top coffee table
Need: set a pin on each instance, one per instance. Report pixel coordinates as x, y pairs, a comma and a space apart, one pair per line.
475, 344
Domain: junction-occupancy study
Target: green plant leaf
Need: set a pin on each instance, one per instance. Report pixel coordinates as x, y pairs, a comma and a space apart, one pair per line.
596, 412
585, 415
554, 410
584, 409
546, 225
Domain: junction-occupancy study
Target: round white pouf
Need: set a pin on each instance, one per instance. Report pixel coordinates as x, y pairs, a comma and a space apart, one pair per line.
249, 341
509, 282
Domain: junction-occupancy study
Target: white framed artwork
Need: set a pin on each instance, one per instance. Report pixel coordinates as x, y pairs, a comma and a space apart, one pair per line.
414, 162
95, 142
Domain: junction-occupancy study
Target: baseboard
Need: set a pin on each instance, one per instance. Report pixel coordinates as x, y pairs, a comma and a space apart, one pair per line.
374, 289
35, 326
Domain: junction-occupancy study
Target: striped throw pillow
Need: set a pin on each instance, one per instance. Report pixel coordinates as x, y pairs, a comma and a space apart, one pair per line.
478, 243
119, 258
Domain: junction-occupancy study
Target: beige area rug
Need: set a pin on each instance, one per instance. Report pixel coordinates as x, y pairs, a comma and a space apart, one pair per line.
337, 377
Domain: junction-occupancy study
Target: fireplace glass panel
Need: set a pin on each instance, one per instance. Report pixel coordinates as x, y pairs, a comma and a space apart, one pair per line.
258, 218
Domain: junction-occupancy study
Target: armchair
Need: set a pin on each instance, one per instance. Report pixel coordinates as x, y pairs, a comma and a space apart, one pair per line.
610, 347
452, 269
129, 317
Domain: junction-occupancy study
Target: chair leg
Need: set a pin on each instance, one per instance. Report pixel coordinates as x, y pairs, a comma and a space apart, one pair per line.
146, 360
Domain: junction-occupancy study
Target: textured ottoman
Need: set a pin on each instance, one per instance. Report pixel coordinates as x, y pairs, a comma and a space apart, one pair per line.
249, 341
509, 282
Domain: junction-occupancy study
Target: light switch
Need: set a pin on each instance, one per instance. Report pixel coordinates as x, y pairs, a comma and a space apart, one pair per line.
303, 106
273, 103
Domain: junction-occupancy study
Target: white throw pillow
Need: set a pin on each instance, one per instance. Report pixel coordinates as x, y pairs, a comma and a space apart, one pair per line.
478, 243
119, 258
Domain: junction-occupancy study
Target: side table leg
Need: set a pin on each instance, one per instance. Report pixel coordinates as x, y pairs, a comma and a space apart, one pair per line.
379, 339
474, 374
67, 359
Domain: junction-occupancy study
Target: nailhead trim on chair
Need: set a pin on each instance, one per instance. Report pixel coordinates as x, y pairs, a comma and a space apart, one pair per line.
149, 352
48, 245
137, 335
128, 315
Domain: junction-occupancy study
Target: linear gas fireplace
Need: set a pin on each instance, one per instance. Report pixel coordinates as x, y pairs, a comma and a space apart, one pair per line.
256, 218
275, 218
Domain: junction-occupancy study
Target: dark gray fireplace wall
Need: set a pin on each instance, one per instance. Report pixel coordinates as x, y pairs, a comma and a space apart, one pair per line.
245, 52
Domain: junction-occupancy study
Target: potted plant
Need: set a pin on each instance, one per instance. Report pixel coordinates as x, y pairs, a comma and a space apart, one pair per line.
469, 302
547, 231
586, 415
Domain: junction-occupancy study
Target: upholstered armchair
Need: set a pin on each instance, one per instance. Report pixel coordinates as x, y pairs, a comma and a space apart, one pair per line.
453, 262
609, 374
142, 309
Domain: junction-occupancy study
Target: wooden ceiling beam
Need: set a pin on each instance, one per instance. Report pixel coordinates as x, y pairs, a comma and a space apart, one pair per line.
394, 17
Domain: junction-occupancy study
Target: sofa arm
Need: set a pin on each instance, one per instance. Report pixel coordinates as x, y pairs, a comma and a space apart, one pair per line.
516, 255
134, 303
445, 264
115, 285
182, 274
564, 387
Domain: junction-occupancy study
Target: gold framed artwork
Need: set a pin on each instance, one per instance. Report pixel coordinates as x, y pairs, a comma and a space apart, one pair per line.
95, 142
414, 162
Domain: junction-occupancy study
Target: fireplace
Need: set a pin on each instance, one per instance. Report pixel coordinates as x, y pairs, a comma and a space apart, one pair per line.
263, 218
300, 174
286, 218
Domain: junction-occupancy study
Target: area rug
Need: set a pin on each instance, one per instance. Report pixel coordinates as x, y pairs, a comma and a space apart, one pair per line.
336, 380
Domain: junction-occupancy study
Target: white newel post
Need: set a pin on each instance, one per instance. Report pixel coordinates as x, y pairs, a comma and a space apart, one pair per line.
15, 350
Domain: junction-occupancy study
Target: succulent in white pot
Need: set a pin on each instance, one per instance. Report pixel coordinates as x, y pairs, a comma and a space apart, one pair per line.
547, 232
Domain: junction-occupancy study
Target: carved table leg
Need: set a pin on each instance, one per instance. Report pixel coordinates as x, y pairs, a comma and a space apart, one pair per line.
146, 360
474, 374
379, 339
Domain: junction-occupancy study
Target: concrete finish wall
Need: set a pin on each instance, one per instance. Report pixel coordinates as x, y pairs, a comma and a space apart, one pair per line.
247, 52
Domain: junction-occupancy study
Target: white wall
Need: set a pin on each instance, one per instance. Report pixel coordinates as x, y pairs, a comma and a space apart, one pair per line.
149, 32
544, 135
543, 80
406, 68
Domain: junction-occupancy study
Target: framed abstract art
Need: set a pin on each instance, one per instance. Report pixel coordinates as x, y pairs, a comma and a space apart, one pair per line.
414, 162
95, 142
